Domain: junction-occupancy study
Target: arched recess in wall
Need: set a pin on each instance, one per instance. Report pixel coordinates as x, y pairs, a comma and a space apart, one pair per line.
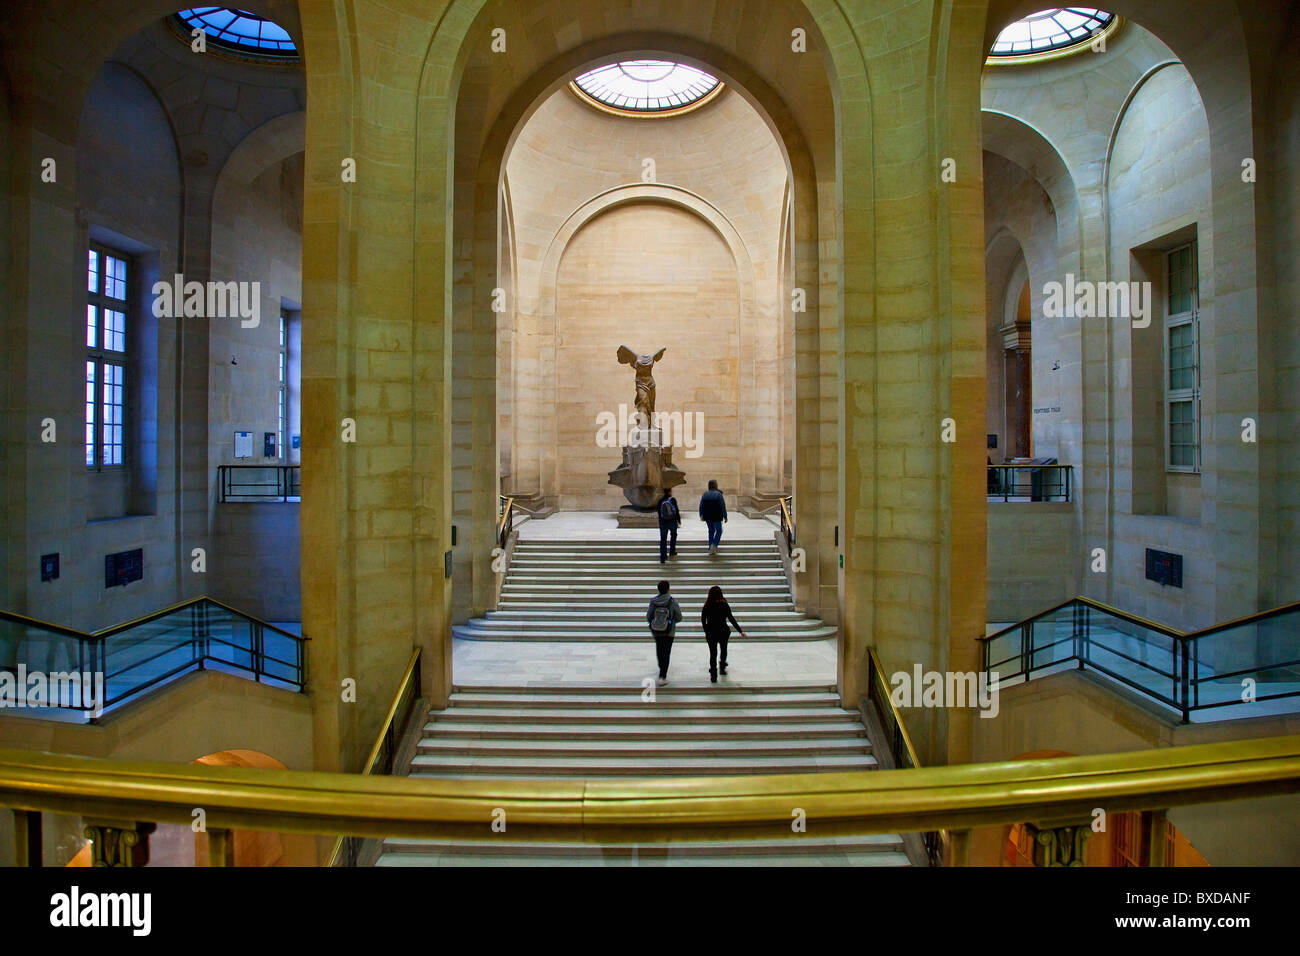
492, 104
130, 207
745, 444
1032, 194
1009, 344
1160, 219
174, 844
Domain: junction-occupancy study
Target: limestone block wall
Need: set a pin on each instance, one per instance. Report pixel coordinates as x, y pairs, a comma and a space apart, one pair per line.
651, 277
257, 565
1031, 559
721, 158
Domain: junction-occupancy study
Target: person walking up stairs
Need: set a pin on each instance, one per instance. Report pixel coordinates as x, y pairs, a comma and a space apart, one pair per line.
662, 616
713, 512
713, 618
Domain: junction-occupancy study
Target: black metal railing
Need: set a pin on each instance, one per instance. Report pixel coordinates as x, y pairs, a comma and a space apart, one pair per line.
787, 522
901, 750
383, 755
1246, 661
1031, 482
123, 661
259, 482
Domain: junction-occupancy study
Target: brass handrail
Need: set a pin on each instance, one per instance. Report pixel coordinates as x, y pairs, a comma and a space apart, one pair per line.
652, 810
883, 694
788, 520
402, 685
1146, 622
145, 619
507, 504
410, 675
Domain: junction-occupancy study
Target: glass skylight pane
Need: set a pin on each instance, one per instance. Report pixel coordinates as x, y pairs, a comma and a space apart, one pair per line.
646, 85
1052, 29
240, 30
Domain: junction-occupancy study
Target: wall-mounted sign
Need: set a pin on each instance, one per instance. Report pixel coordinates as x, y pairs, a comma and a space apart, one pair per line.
243, 444
1164, 568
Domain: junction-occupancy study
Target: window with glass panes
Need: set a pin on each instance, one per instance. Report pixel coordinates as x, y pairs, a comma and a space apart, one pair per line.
1182, 361
282, 414
106, 357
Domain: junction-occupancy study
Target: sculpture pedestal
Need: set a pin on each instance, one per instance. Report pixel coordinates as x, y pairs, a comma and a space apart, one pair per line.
647, 469
630, 517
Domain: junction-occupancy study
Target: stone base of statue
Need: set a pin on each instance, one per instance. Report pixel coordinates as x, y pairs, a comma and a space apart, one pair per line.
647, 469
631, 517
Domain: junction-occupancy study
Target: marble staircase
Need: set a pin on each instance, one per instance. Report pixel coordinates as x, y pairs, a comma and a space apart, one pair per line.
568, 732
598, 590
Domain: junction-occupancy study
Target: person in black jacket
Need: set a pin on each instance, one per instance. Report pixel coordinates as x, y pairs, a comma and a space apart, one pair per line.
713, 512
670, 519
714, 618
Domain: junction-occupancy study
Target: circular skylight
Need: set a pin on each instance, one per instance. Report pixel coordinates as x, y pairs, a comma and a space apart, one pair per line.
1049, 30
647, 86
240, 31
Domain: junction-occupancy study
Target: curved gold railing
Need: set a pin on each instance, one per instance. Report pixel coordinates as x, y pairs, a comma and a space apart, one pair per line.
654, 810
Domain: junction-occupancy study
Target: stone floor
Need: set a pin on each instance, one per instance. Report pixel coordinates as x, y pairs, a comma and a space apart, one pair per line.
519, 663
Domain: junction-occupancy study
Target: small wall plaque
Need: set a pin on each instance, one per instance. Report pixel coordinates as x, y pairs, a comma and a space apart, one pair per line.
123, 568
1164, 568
49, 567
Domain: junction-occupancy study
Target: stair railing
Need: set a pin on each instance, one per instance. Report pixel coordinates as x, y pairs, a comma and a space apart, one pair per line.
119, 662
383, 755
1252, 659
901, 751
787, 522
506, 522
1053, 795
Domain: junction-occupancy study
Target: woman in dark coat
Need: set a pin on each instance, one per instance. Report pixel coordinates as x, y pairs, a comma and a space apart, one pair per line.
714, 618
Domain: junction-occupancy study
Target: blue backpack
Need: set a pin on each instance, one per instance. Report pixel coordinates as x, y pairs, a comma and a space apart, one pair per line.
667, 510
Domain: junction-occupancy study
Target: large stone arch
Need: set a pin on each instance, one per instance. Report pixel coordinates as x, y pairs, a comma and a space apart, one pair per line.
477, 175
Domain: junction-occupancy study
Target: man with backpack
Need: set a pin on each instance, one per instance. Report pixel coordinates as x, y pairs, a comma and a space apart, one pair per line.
662, 616
670, 519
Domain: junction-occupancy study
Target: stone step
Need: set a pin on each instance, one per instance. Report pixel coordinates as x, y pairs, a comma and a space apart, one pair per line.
641, 766
648, 749
648, 577
538, 633
548, 604
689, 624
651, 714
667, 731
734, 690
693, 698
685, 540
802, 850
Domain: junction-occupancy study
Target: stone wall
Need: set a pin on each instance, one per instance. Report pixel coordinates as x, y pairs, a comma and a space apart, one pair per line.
647, 276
